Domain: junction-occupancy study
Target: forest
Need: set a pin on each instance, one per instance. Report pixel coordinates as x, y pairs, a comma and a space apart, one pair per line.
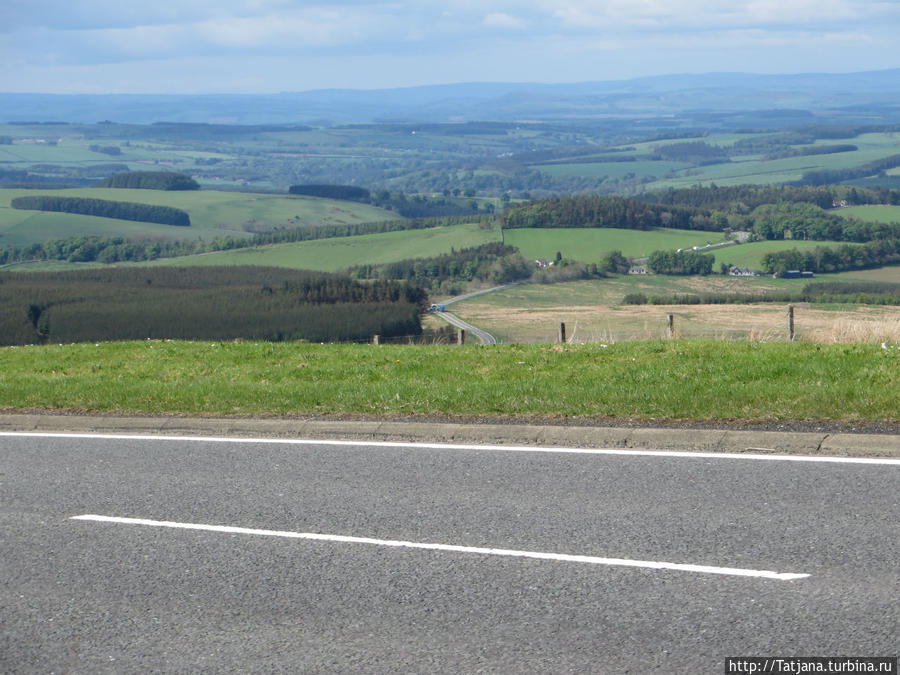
792, 213
150, 180
494, 262
602, 211
204, 303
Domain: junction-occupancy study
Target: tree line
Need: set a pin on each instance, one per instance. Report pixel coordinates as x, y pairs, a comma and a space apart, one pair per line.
680, 262
603, 211
416, 206
864, 292
726, 198
478, 262
834, 258
769, 213
103, 208
825, 176
119, 249
149, 180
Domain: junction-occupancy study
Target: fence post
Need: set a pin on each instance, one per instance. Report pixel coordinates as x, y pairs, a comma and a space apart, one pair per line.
790, 323
376, 339
670, 326
461, 336
562, 333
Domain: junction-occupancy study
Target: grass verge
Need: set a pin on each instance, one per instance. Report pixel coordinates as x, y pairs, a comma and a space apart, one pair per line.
681, 380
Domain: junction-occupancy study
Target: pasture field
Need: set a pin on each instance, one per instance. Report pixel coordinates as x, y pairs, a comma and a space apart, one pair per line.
592, 312
38, 227
751, 254
329, 255
654, 380
879, 213
758, 170
213, 213
889, 274
588, 244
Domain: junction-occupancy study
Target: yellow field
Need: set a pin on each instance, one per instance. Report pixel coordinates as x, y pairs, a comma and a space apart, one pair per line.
617, 323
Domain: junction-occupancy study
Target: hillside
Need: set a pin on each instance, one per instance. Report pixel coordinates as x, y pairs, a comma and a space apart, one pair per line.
212, 214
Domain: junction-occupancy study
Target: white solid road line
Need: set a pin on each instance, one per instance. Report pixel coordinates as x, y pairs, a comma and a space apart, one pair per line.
462, 446
558, 557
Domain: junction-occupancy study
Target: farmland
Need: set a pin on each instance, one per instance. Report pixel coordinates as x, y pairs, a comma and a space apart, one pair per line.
593, 312
213, 213
589, 244
342, 252
881, 213
750, 254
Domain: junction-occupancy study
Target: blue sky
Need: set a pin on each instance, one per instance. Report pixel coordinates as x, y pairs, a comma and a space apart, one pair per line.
267, 46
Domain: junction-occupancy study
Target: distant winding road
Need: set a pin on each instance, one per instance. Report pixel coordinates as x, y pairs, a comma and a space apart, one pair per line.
485, 337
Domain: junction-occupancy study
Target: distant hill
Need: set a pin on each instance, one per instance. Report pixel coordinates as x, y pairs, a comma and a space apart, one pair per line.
842, 96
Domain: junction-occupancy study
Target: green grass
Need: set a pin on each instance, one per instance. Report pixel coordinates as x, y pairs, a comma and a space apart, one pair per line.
37, 227
212, 213
341, 252
589, 244
648, 380
751, 254
880, 213
758, 171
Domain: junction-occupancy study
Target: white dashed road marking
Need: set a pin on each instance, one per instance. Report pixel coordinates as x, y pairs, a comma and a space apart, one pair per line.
451, 548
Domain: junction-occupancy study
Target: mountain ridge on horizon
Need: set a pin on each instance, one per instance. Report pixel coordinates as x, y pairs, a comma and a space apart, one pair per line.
475, 101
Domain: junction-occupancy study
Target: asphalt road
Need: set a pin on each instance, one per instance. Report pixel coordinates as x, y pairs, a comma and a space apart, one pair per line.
83, 596
485, 337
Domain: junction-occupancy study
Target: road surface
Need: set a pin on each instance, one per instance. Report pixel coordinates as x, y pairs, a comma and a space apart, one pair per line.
485, 337
160, 554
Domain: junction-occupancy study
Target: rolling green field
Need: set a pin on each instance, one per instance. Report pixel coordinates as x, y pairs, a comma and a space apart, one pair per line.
751, 254
640, 381
213, 213
879, 213
742, 169
589, 244
341, 252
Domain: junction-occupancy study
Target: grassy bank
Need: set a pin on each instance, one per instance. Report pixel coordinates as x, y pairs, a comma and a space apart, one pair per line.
647, 380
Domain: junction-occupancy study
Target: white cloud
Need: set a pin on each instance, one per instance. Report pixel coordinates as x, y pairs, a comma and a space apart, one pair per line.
503, 20
427, 40
704, 14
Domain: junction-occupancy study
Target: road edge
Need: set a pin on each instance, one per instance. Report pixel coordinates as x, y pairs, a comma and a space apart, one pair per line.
697, 440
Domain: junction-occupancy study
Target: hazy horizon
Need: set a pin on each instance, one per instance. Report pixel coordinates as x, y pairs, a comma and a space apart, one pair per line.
277, 46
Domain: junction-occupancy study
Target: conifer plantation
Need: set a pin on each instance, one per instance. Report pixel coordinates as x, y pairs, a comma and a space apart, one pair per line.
215, 303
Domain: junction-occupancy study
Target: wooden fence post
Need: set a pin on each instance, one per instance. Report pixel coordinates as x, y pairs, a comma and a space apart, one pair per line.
562, 333
670, 326
376, 339
790, 323
461, 336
